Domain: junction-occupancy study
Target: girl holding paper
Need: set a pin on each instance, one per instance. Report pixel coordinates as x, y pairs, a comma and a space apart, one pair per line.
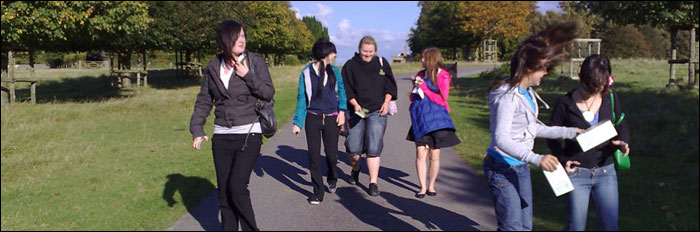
514, 126
592, 172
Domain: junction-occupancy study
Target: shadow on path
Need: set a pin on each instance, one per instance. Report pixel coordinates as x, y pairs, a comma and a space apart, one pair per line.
283, 172
193, 191
369, 212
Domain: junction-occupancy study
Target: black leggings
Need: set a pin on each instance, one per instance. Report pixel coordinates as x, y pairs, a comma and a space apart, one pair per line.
317, 127
233, 169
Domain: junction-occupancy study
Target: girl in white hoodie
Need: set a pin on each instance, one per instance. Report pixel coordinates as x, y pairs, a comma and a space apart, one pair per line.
514, 126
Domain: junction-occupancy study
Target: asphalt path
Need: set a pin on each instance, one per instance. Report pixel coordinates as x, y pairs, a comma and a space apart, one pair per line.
281, 183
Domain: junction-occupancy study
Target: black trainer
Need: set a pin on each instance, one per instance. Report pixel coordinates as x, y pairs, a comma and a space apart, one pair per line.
355, 177
314, 200
332, 187
373, 190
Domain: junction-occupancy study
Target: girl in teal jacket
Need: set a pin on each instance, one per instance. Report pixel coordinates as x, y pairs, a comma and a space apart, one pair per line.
321, 105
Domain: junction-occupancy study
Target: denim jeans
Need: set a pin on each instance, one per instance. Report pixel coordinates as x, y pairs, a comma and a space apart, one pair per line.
600, 184
366, 135
511, 192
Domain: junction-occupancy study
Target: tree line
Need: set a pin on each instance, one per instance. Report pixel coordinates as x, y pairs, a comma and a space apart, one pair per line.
628, 29
138, 26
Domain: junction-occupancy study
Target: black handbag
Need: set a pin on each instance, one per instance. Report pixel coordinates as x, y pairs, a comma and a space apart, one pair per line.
266, 114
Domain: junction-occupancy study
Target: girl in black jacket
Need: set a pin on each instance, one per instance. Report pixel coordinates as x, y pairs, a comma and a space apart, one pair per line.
592, 172
233, 87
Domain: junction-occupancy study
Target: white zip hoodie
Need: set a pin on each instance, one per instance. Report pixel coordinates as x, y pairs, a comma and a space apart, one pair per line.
514, 126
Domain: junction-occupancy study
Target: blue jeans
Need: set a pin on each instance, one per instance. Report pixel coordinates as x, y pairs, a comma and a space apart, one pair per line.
599, 184
366, 135
511, 192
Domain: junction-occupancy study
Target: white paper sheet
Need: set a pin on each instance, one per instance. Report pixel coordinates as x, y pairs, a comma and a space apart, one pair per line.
559, 180
596, 135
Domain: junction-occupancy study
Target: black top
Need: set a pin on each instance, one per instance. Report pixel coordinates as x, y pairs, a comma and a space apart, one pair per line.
325, 102
567, 114
364, 83
235, 106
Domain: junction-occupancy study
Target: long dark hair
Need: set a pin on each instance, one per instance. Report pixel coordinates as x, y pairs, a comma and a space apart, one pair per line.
544, 49
595, 73
320, 50
227, 32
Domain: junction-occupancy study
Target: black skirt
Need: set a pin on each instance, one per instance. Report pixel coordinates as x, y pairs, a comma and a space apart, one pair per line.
436, 139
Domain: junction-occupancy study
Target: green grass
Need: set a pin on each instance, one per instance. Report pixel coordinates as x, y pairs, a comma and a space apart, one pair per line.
89, 157
660, 192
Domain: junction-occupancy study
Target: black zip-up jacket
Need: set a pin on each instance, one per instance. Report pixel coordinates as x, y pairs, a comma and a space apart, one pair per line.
235, 106
364, 84
566, 113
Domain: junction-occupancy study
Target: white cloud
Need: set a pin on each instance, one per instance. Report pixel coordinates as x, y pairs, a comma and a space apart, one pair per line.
347, 38
296, 12
324, 13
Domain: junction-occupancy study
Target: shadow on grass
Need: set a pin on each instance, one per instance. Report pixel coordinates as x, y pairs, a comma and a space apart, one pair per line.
167, 79
198, 197
97, 88
81, 89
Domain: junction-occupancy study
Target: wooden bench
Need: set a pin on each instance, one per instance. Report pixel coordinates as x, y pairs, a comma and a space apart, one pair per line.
189, 69
122, 78
11, 89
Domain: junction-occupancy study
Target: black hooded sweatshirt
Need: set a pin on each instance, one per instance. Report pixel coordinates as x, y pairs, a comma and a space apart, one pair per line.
364, 83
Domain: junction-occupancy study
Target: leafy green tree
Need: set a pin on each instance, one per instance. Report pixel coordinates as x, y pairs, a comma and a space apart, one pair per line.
439, 25
317, 29
71, 26
273, 29
625, 42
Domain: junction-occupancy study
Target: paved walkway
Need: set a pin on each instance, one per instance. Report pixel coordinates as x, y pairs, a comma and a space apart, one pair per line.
280, 185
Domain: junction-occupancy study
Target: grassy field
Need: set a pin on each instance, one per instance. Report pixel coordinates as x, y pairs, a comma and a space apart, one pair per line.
89, 157
660, 192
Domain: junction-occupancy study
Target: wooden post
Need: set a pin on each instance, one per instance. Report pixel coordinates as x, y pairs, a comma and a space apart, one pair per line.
691, 58
138, 76
32, 76
11, 71
672, 75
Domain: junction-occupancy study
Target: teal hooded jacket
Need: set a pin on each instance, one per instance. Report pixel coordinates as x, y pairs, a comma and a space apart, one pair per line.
304, 94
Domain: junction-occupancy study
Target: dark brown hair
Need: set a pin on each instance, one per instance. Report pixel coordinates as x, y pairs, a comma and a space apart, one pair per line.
544, 49
595, 73
227, 32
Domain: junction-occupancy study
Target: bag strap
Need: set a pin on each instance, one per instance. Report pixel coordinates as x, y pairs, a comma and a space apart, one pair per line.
612, 103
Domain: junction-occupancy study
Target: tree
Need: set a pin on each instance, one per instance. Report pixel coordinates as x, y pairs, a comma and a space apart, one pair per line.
496, 19
667, 14
273, 28
625, 42
317, 29
71, 26
438, 25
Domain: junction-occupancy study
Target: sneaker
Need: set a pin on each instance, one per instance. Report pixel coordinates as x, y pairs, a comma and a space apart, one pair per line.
354, 177
332, 187
314, 200
373, 190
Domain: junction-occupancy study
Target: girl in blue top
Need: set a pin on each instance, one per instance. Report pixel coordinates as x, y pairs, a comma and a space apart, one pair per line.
321, 104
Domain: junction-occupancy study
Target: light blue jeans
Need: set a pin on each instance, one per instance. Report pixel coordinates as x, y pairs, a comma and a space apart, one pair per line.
511, 191
367, 135
600, 184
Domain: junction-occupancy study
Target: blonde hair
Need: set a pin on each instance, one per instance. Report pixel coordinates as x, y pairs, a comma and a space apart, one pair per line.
433, 61
367, 40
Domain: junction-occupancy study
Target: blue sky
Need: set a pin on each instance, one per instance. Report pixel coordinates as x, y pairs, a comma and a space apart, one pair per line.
388, 22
